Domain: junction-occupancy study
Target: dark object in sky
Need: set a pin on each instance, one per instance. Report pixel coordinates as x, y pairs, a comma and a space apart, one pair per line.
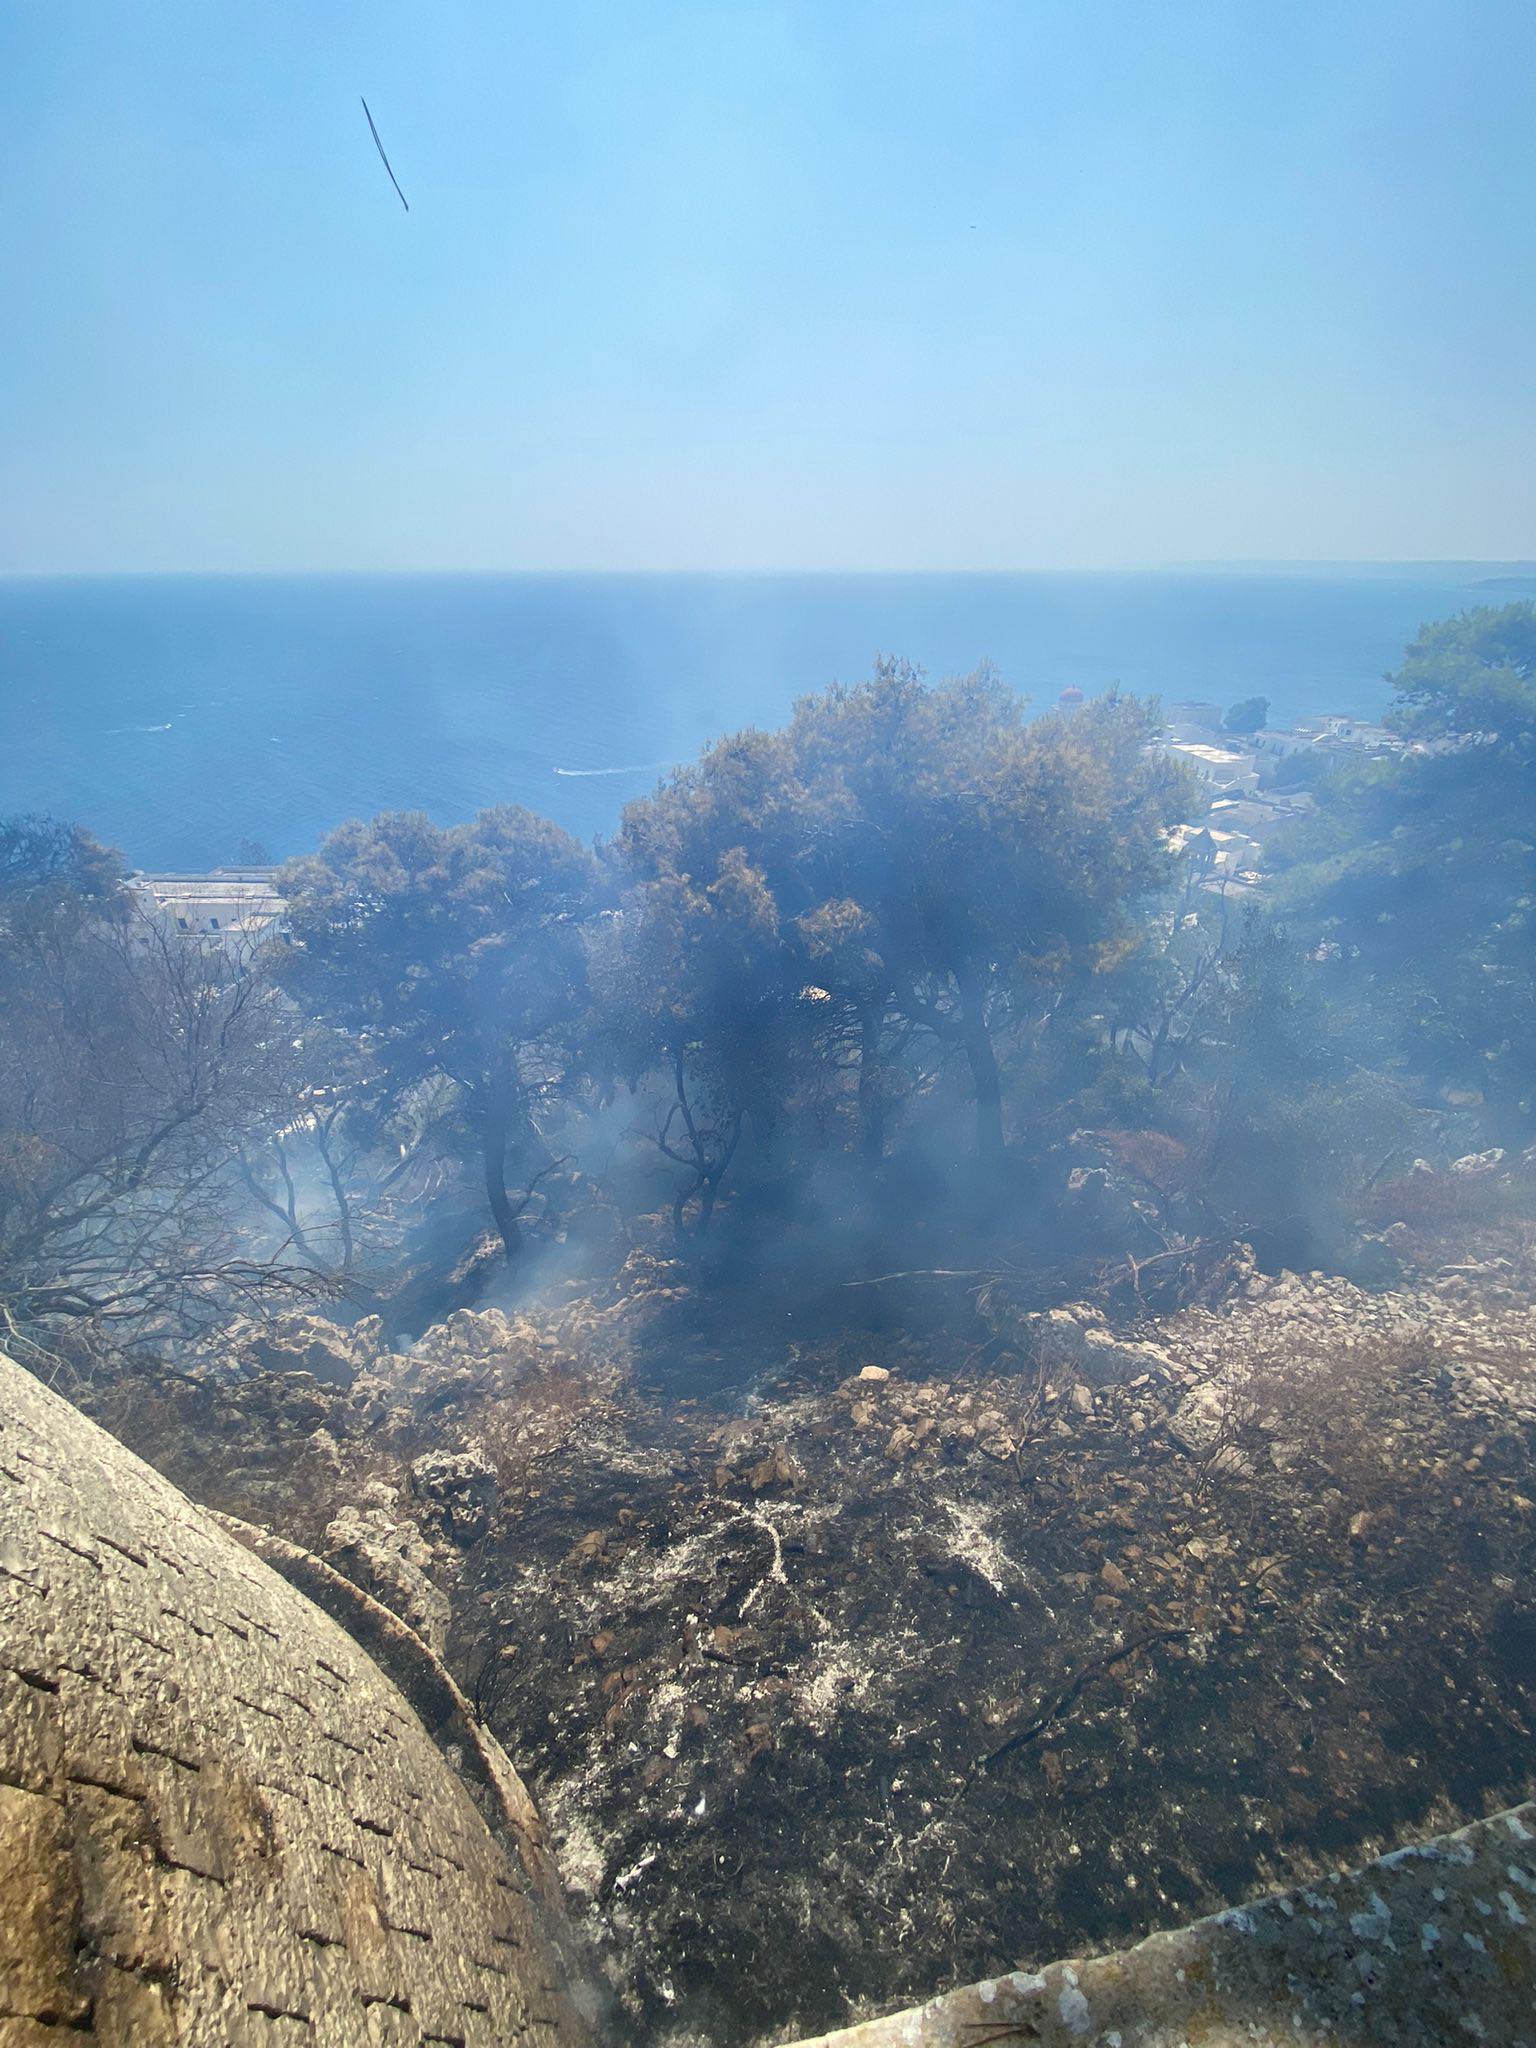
384, 160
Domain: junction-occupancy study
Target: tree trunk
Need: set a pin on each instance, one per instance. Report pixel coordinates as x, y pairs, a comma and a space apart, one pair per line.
493, 1152
286, 1212
986, 1082
871, 1087
1159, 1042
339, 1194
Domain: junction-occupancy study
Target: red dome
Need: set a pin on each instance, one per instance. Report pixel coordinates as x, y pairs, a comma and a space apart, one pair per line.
1070, 695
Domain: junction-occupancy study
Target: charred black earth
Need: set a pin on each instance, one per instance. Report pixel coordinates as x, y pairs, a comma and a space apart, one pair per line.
892, 1660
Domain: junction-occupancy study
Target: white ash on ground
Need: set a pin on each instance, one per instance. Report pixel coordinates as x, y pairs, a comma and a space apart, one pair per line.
892, 1660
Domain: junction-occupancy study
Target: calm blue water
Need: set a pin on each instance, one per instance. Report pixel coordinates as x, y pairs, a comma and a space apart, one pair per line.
177, 716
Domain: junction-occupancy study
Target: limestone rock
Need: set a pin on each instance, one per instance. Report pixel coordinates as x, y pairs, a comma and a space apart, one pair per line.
461, 1487
1204, 1418
776, 1469
1479, 1162
1078, 1340
299, 1342
472, 1353
483, 1338
290, 1401
387, 1555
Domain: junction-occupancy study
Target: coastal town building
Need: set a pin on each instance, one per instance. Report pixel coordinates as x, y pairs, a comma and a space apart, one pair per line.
1356, 732
1196, 712
1258, 812
1220, 858
1278, 743
1226, 758
232, 906
1225, 842
1221, 767
1333, 734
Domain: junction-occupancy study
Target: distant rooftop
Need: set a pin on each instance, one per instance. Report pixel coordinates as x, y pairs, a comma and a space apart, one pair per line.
267, 875
222, 900
1219, 756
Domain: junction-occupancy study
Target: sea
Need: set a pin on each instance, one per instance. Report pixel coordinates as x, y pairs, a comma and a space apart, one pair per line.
184, 718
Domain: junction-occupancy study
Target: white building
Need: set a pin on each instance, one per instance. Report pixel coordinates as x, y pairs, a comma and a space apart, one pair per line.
1334, 734
1220, 766
1186, 732
1276, 742
1260, 811
231, 906
1223, 859
1356, 732
1206, 718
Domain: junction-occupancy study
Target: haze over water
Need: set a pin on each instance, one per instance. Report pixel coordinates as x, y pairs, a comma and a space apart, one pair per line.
177, 716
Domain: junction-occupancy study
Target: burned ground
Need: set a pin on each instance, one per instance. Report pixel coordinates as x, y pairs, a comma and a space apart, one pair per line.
890, 1661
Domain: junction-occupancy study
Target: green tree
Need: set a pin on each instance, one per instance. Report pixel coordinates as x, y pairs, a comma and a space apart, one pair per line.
690, 983
459, 956
1300, 1109
922, 858
55, 873
1249, 714
1419, 873
1472, 679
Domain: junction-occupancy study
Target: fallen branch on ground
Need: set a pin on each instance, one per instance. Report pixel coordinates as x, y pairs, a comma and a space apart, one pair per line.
1068, 1693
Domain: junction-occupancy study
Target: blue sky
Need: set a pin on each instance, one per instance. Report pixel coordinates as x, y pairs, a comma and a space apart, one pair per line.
818, 284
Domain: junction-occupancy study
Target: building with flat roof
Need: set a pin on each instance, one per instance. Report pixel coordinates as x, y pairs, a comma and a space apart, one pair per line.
1221, 766
227, 905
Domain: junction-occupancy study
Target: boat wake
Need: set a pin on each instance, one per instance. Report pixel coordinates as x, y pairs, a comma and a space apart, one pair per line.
638, 768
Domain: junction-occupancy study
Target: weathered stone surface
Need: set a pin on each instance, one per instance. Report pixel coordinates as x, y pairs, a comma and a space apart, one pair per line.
460, 1486
386, 1554
220, 1821
1432, 1944
331, 1352
40, 1922
1077, 1339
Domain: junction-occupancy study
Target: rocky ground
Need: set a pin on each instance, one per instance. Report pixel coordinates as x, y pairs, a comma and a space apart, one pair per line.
875, 1663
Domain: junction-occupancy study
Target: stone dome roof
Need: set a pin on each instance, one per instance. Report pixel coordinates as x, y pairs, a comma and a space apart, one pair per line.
220, 1820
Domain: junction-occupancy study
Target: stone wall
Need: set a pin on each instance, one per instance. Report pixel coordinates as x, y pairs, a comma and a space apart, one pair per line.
220, 1821
1432, 1945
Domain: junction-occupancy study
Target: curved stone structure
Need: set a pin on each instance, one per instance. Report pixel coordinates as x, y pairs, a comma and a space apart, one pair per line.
220, 1822
1431, 1945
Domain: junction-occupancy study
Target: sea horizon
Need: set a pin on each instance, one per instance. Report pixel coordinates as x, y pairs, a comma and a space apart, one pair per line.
179, 714
1521, 567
